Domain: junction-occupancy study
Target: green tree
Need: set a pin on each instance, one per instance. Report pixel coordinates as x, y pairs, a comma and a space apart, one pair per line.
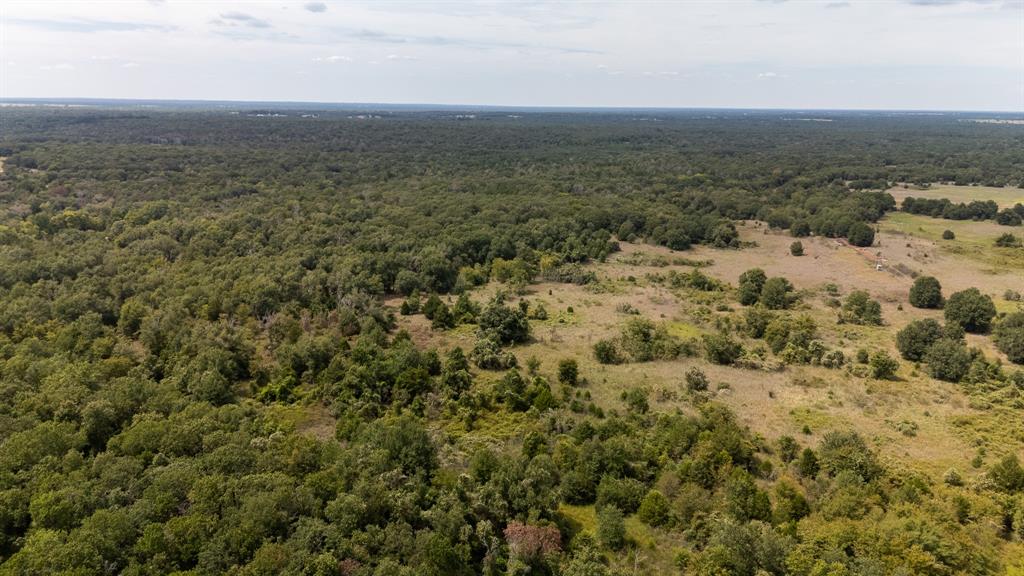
1009, 337
744, 501
860, 308
882, 365
750, 285
808, 465
926, 293
847, 451
654, 509
915, 338
948, 360
860, 234
796, 249
696, 380
611, 528
568, 372
970, 309
721, 348
776, 293
606, 352
1007, 474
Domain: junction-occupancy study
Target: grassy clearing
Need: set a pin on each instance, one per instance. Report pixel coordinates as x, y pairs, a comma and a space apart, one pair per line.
918, 422
649, 551
1004, 197
973, 245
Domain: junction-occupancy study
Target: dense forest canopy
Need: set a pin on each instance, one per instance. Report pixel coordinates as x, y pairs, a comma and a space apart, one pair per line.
173, 282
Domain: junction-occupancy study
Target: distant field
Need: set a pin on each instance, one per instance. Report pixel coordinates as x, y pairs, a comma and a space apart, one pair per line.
972, 247
1005, 197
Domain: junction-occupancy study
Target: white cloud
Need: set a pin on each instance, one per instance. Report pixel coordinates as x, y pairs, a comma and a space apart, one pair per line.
332, 59
315, 7
400, 57
235, 18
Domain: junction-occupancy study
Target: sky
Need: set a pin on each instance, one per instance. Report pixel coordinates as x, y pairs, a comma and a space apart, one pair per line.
833, 54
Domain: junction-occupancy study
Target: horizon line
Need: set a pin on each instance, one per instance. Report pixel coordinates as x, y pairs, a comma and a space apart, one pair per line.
426, 106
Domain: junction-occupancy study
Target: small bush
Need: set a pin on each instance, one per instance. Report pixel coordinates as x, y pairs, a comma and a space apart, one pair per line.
696, 380
883, 366
606, 352
722, 349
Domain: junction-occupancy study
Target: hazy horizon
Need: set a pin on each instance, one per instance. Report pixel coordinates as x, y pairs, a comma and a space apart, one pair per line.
314, 105
904, 55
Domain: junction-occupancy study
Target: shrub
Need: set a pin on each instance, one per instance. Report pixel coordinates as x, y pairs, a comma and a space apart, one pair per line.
847, 452
606, 352
504, 324
926, 293
784, 332
643, 341
1007, 474
791, 505
488, 355
970, 309
1007, 241
750, 286
788, 449
883, 366
833, 359
948, 360
915, 338
756, 320
796, 249
636, 401
948, 235
1008, 217
800, 229
859, 308
860, 234
743, 500
722, 349
529, 543
611, 528
654, 509
568, 372
1009, 337
808, 465
696, 380
775, 294
431, 306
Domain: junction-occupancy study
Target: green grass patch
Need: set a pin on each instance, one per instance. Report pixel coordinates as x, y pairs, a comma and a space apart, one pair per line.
683, 330
814, 419
581, 518
974, 240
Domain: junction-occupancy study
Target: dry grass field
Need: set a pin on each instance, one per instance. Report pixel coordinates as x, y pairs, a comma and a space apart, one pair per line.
951, 424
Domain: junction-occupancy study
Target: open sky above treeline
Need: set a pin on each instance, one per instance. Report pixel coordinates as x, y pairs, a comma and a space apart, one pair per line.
899, 54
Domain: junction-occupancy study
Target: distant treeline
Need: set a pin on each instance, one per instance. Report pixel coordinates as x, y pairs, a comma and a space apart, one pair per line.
974, 210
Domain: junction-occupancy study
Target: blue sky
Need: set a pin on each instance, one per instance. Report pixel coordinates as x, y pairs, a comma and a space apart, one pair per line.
889, 54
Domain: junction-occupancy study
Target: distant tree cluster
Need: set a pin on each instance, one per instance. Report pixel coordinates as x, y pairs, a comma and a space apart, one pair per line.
974, 210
